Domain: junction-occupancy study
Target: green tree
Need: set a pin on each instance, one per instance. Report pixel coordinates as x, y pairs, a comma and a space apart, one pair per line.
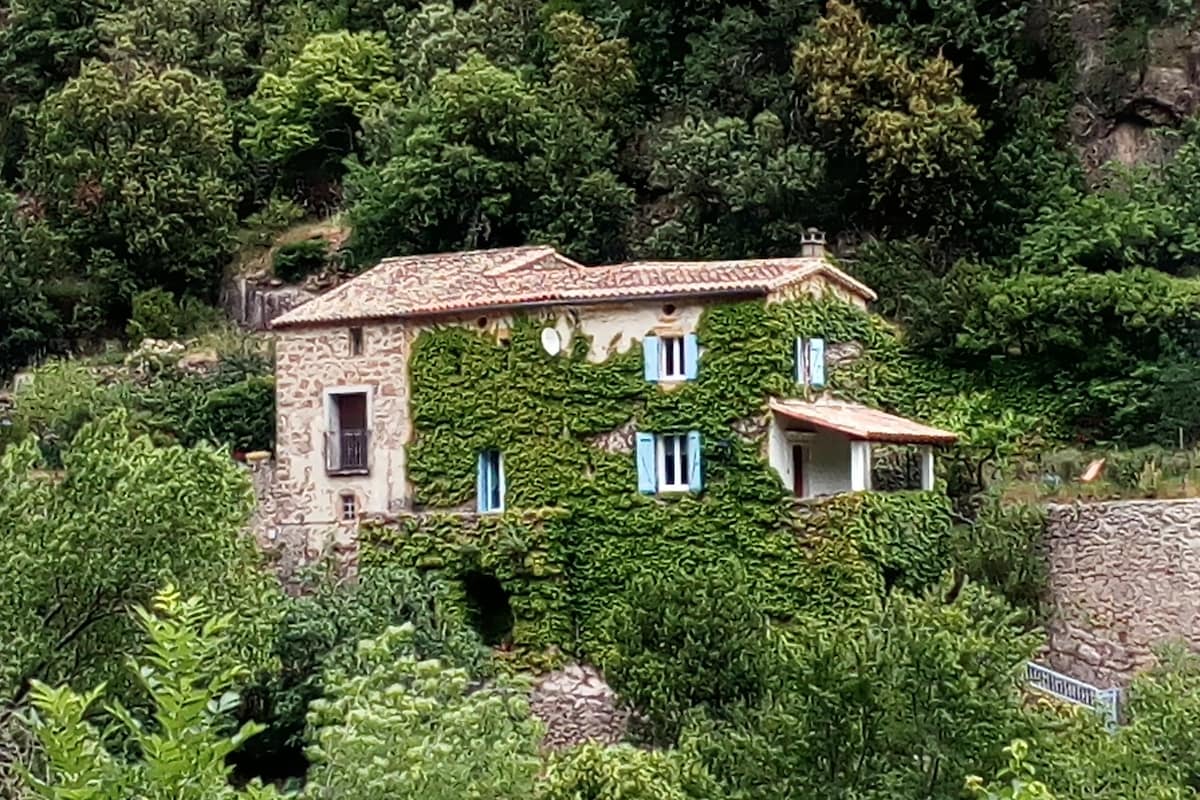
81, 546
901, 702
307, 117
29, 325
486, 158
134, 169
686, 641
181, 750
213, 38
395, 725
733, 190
902, 121
319, 632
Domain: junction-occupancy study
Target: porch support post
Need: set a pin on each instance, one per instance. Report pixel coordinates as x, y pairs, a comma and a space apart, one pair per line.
927, 468
860, 466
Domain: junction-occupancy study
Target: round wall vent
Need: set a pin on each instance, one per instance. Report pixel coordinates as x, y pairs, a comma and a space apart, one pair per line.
551, 342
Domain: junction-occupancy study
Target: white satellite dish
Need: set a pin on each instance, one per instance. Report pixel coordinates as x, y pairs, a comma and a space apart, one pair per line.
550, 341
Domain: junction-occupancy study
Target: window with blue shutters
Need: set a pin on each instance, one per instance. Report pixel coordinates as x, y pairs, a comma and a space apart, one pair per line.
669, 463
810, 362
490, 482
671, 358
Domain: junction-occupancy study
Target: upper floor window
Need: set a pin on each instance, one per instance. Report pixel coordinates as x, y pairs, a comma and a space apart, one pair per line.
669, 463
810, 362
356, 341
347, 439
489, 488
671, 358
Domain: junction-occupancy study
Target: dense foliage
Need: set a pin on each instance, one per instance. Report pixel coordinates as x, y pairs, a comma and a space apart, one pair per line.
936, 135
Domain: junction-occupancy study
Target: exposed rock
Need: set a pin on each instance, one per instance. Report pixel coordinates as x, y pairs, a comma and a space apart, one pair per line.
1123, 96
199, 361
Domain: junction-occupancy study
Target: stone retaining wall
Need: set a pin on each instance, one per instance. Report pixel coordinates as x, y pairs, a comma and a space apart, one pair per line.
1124, 579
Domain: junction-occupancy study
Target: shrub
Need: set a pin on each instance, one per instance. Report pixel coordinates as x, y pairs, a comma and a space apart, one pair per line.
397, 726
182, 755
295, 262
688, 640
155, 316
241, 416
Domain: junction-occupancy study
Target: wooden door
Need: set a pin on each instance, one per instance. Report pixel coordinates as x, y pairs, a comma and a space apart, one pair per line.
798, 470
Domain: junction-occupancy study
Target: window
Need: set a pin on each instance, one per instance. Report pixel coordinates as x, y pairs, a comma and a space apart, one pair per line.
669, 463
490, 482
671, 358
347, 442
670, 350
356, 341
810, 362
672, 464
349, 507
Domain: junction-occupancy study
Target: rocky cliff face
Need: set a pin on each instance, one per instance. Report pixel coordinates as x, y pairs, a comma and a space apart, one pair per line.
1134, 76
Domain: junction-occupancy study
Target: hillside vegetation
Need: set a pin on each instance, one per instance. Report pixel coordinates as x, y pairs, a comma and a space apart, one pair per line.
141, 142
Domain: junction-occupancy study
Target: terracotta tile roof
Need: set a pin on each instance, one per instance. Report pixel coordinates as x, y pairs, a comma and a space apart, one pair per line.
861, 422
488, 279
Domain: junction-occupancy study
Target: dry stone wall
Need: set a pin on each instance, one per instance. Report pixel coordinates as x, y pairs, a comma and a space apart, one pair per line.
577, 706
1124, 579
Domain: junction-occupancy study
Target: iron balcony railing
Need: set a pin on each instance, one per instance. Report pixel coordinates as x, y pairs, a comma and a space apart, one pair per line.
348, 452
1064, 687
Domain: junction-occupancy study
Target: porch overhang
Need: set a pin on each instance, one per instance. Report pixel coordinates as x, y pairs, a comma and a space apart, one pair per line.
860, 423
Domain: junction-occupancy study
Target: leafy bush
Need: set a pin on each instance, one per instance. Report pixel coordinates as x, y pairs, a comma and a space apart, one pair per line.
624, 772
295, 262
1004, 549
395, 725
59, 398
240, 416
155, 316
321, 631
182, 755
688, 640
904, 701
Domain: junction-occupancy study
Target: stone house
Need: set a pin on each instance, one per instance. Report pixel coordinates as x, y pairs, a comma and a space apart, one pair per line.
344, 385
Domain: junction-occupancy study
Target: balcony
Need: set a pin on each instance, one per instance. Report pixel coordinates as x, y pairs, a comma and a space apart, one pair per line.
348, 452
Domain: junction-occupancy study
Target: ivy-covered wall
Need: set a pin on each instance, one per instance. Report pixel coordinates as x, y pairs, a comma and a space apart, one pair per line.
558, 420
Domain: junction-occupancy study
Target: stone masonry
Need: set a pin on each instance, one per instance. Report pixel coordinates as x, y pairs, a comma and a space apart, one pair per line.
577, 706
1124, 579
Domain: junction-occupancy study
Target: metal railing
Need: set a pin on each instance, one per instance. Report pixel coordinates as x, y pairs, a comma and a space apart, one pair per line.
348, 452
1064, 687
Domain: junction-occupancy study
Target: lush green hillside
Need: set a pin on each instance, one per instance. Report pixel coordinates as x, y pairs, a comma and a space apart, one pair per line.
939, 143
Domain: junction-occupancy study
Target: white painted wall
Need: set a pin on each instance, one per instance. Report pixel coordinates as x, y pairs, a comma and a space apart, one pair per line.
828, 468
828, 465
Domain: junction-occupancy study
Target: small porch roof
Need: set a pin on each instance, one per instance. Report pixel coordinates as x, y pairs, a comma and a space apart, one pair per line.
861, 422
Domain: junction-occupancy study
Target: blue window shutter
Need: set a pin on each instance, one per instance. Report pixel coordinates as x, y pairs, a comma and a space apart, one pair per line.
500, 481
647, 484
816, 362
481, 483
695, 468
691, 356
801, 378
650, 354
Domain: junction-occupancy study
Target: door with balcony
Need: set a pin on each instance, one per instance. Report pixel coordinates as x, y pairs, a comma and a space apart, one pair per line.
347, 445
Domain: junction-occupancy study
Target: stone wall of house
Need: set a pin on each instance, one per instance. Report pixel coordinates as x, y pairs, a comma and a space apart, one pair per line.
311, 366
1124, 578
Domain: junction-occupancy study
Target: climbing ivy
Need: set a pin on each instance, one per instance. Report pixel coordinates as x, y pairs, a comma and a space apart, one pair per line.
580, 531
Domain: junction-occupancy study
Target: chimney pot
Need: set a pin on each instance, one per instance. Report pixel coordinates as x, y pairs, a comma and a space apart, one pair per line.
812, 244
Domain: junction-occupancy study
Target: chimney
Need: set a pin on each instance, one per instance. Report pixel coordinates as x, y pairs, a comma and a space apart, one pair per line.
812, 244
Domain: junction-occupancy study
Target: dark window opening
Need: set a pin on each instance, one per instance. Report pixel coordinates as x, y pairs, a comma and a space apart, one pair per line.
668, 309
482, 322
488, 609
356, 341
